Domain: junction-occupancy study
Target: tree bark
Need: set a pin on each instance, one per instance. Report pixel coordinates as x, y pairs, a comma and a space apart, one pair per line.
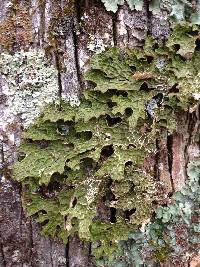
82, 25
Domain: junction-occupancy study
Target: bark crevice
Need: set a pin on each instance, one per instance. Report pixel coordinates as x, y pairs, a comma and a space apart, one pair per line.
170, 158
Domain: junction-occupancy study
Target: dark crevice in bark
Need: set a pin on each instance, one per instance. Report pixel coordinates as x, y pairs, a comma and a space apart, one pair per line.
75, 41
149, 16
111, 197
67, 254
21, 209
114, 28
90, 248
2, 160
41, 33
170, 157
51, 253
77, 8
128, 33
2, 257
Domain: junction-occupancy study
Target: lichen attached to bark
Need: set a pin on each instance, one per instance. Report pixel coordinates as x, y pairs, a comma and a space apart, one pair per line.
29, 82
178, 10
70, 154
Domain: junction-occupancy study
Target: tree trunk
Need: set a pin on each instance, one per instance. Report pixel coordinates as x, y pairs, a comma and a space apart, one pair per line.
81, 28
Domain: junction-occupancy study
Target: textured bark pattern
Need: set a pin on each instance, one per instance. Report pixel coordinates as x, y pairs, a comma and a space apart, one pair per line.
82, 28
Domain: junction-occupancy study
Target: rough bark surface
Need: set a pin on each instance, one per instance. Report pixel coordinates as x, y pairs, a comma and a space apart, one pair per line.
86, 29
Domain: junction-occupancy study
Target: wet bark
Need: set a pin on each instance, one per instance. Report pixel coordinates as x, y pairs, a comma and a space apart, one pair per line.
79, 27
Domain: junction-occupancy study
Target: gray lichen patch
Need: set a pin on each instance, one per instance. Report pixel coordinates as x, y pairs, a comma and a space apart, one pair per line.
28, 83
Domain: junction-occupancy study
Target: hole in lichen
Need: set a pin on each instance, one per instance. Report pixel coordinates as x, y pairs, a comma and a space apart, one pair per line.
64, 127
194, 33
88, 164
86, 135
111, 104
133, 68
21, 156
53, 188
112, 121
53, 185
144, 87
128, 163
128, 112
43, 144
130, 146
176, 47
74, 202
122, 93
149, 59
155, 46
128, 213
174, 88
113, 212
197, 42
106, 152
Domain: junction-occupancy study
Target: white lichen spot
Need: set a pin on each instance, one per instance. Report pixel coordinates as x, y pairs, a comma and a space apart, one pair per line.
15, 256
29, 82
62, 260
96, 44
196, 96
161, 63
92, 185
144, 224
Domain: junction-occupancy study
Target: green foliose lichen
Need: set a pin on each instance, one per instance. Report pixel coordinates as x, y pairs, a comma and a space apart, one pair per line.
173, 233
71, 154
